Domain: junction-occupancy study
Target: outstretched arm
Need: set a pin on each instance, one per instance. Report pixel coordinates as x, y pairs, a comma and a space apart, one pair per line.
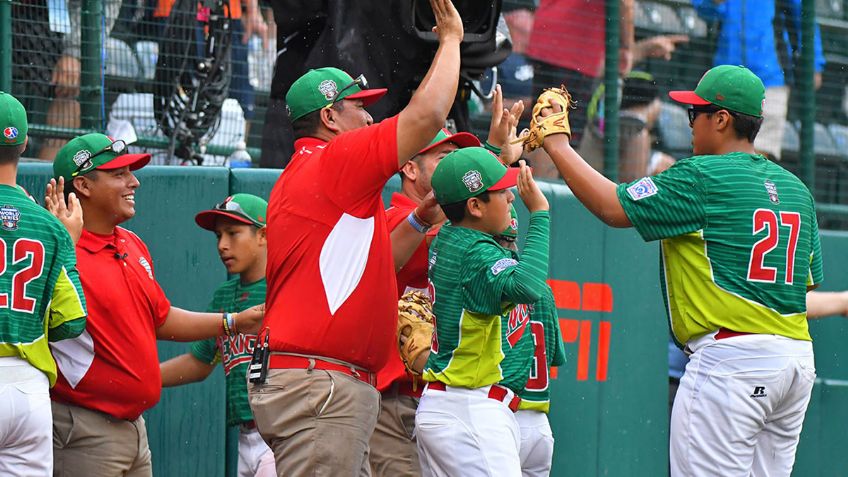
184, 369
822, 304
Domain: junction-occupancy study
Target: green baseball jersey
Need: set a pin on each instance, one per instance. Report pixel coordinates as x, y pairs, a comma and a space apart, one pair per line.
475, 285
234, 352
740, 244
41, 298
549, 351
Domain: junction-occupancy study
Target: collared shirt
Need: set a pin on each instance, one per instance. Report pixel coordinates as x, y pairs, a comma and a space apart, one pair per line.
331, 278
113, 367
413, 276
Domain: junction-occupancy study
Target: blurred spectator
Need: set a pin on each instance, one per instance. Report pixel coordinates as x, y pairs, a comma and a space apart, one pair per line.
567, 46
765, 36
64, 110
515, 74
639, 110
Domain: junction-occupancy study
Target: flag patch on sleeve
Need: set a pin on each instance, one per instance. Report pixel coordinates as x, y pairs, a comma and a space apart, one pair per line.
644, 187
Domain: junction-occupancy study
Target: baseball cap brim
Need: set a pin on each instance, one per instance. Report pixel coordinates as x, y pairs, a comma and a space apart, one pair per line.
135, 161
368, 96
510, 179
461, 139
688, 97
206, 219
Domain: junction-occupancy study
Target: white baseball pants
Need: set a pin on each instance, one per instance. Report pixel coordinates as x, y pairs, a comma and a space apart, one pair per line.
740, 406
256, 459
463, 432
26, 421
537, 443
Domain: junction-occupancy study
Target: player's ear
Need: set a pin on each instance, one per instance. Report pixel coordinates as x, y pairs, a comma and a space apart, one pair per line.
722, 120
474, 207
82, 186
328, 119
410, 170
262, 236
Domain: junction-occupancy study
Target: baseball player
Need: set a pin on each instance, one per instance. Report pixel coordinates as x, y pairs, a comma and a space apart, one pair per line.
109, 375
412, 216
332, 307
469, 402
740, 248
239, 225
41, 301
537, 440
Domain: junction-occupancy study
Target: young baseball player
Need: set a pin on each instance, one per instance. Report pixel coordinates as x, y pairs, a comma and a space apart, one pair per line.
740, 249
239, 225
537, 440
478, 359
41, 301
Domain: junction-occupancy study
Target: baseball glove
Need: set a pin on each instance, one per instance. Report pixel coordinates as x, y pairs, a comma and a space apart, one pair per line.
415, 322
556, 123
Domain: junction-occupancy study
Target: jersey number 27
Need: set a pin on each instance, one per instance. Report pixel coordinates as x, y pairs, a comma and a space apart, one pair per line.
765, 219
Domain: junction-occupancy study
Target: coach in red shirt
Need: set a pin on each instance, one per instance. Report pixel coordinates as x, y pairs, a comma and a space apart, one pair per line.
332, 309
110, 374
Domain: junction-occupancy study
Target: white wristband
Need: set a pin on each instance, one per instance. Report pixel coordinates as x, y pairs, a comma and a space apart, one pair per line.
419, 227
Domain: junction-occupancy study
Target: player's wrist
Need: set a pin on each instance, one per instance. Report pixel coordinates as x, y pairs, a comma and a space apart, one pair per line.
229, 326
421, 226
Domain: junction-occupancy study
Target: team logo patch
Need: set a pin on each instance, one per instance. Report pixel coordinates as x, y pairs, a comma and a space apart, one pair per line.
10, 133
502, 265
771, 189
645, 187
328, 88
759, 392
513, 225
473, 181
144, 263
81, 157
9, 217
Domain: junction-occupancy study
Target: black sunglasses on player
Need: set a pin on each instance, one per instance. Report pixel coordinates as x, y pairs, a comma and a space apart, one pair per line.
360, 80
118, 147
695, 111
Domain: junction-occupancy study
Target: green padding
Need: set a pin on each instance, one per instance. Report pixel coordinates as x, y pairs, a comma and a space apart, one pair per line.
254, 181
829, 334
808, 458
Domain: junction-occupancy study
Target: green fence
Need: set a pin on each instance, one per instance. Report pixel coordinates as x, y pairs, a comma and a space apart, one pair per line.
609, 402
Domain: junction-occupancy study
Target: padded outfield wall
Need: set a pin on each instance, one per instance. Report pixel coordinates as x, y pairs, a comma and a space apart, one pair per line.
609, 402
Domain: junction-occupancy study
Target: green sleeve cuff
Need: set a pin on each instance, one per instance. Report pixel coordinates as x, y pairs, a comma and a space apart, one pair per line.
67, 330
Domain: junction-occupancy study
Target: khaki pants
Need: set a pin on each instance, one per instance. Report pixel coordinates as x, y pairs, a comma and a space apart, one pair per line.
393, 448
93, 444
317, 422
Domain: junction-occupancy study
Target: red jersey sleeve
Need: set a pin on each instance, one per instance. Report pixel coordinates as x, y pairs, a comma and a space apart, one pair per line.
356, 165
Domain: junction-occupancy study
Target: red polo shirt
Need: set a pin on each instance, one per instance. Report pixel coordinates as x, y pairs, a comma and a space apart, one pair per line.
331, 281
113, 367
413, 275
582, 23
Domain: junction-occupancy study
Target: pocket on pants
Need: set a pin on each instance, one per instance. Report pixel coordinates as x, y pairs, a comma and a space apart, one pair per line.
63, 425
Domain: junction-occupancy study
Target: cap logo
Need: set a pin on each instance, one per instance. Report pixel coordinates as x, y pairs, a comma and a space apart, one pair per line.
10, 133
771, 189
9, 217
719, 97
81, 157
473, 181
513, 225
328, 88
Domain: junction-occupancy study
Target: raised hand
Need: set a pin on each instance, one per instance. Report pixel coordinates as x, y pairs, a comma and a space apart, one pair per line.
69, 213
429, 210
448, 22
529, 191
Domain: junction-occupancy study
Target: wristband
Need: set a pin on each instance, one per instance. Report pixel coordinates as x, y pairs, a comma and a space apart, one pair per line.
419, 225
225, 325
231, 322
489, 146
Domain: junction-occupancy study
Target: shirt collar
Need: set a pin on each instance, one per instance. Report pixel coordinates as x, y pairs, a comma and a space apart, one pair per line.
94, 243
400, 200
308, 144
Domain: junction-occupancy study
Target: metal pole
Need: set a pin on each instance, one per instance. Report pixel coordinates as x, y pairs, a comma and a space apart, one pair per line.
806, 92
6, 45
91, 18
613, 41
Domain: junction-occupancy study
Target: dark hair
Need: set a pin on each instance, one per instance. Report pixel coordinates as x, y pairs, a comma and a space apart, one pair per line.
11, 153
639, 90
746, 127
307, 125
456, 212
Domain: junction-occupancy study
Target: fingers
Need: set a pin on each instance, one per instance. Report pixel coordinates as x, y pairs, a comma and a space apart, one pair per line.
74, 208
678, 38
438, 8
497, 99
517, 110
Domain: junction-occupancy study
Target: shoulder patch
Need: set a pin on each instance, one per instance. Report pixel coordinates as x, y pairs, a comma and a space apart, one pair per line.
644, 187
503, 264
9, 217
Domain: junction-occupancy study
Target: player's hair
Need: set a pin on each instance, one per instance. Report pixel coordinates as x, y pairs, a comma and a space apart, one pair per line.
11, 153
456, 212
307, 125
746, 127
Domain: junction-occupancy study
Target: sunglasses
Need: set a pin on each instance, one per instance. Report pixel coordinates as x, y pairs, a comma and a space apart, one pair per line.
118, 147
694, 112
360, 80
232, 206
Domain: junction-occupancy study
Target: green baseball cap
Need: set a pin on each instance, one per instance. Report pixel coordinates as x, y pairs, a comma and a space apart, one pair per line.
245, 208
734, 88
468, 172
318, 88
461, 139
86, 153
511, 231
13, 121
